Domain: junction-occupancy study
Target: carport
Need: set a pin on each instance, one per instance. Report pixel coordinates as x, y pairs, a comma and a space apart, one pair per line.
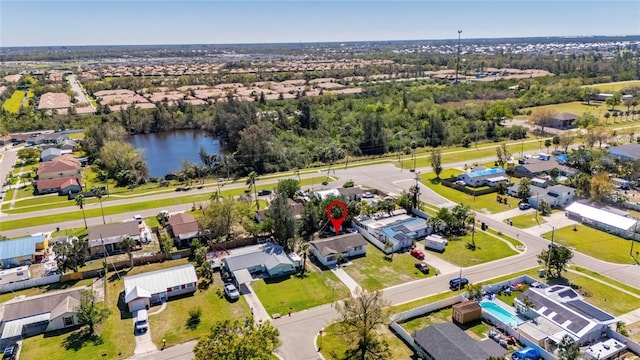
242, 276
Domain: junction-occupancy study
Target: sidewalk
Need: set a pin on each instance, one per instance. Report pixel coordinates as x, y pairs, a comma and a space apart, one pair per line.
258, 310
346, 279
435, 262
557, 220
501, 216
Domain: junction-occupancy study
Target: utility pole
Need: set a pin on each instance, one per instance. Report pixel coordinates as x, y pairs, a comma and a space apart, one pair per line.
458, 59
553, 231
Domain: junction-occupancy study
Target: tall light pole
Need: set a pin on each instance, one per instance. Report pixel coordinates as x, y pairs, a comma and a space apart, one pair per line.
458, 59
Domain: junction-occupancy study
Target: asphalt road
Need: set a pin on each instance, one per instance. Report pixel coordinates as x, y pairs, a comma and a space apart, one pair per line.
77, 88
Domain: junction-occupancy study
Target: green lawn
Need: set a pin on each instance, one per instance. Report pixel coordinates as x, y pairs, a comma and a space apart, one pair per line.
606, 279
484, 203
596, 243
77, 232
171, 324
375, 271
316, 288
514, 242
13, 103
478, 328
43, 289
488, 248
603, 296
578, 108
526, 221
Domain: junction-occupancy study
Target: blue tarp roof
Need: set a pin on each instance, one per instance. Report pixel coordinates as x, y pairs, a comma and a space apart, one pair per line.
526, 353
25, 246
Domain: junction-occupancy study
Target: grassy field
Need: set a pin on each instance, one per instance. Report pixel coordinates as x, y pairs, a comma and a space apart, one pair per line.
615, 86
375, 271
484, 203
316, 288
606, 279
13, 103
526, 221
488, 248
596, 243
171, 324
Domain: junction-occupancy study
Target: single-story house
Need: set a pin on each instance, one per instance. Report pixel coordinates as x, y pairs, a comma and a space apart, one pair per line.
26, 250
465, 312
557, 196
401, 230
20, 273
603, 220
352, 193
564, 307
50, 154
106, 238
563, 120
296, 208
482, 176
625, 152
183, 227
68, 145
143, 290
323, 194
538, 166
63, 186
435, 242
24, 317
269, 259
349, 245
62, 166
447, 341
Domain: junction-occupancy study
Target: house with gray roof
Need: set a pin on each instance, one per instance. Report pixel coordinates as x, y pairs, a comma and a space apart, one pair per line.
447, 341
50, 154
105, 239
558, 196
543, 165
563, 120
23, 317
143, 290
567, 310
327, 250
267, 259
625, 152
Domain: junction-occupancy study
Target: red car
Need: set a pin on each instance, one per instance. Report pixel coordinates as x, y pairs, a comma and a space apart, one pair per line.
417, 253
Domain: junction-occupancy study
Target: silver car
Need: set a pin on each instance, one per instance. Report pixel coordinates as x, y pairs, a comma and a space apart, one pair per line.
231, 291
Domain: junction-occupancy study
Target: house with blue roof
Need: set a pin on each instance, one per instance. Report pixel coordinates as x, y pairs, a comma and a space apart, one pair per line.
481, 176
625, 152
22, 251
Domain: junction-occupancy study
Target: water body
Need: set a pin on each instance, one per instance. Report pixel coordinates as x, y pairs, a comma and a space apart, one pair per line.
165, 151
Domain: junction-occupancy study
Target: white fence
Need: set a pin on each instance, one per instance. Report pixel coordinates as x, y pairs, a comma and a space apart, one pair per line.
631, 345
29, 283
377, 243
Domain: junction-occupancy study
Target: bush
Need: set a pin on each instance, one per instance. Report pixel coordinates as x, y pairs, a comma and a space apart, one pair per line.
194, 318
348, 184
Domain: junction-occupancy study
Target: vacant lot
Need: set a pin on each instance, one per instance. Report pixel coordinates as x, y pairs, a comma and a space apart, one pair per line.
315, 288
488, 248
615, 86
526, 221
376, 271
13, 103
596, 243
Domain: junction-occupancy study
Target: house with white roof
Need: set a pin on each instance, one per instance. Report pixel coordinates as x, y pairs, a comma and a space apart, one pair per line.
143, 290
399, 229
603, 220
567, 313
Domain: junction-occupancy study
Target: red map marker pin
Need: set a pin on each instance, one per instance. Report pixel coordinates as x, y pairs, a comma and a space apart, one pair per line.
337, 222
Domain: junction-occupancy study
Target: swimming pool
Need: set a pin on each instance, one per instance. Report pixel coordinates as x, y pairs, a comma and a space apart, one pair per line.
500, 313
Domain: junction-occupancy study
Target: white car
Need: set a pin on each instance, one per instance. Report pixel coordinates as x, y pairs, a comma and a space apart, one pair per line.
231, 291
142, 321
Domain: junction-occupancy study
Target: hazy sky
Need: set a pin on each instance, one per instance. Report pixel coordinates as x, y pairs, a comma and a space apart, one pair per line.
35, 23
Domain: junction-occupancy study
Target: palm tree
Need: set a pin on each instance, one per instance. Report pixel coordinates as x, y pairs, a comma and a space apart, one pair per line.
304, 248
99, 192
435, 223
474, 292
127, 244
472, 221
215, 196
527, 305
251, 181
388, 245
80, 204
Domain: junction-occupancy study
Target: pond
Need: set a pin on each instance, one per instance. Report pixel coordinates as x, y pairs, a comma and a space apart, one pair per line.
165, 151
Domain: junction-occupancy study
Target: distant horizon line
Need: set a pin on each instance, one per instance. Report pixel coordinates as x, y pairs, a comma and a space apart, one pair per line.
335, 41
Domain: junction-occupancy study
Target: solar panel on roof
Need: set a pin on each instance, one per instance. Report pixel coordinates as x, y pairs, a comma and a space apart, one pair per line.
588, 310
568, 293
556, 288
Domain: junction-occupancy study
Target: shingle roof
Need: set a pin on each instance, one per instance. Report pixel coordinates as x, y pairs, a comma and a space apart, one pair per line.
158, 281
129, 228
68, 304
447, 341
338, 244
25, 246
267, 254
183, 224
57, 165
565, 116
41, 304
467, 306
59, 183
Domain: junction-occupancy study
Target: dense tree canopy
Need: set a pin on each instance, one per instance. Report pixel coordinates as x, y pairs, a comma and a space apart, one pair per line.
238, 340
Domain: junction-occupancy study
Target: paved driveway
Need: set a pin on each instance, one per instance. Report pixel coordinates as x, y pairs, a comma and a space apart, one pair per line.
144, 344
